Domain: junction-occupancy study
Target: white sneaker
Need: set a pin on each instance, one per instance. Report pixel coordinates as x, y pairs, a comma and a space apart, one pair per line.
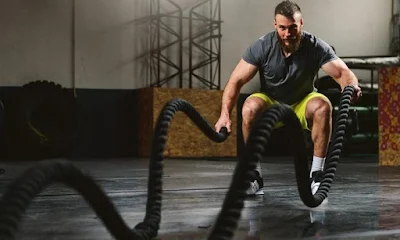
256, 186
254, 189
314, 187
316, 179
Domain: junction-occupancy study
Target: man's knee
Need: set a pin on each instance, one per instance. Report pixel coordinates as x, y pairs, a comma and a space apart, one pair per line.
251, 108
319, 108
324, 109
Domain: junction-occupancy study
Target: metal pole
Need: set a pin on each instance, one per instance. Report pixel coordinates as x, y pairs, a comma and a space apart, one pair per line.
219, 44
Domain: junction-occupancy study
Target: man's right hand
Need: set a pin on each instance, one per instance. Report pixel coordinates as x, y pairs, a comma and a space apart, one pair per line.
223, 121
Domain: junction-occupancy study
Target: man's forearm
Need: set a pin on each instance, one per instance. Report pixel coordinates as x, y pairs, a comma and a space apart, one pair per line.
347, 78
230, 97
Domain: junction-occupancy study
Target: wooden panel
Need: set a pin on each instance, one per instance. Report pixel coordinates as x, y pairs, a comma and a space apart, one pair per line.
389, 117
185, 139
145, 131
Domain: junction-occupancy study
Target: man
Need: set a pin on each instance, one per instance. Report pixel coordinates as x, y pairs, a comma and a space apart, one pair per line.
287, 60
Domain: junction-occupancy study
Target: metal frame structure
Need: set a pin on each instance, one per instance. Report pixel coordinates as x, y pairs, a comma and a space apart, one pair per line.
208, 42
159, 50
395, 24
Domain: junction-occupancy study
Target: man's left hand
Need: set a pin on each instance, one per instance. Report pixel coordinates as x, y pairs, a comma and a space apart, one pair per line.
356, 95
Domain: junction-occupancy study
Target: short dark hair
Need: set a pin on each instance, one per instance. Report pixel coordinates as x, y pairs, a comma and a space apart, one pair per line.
287, 8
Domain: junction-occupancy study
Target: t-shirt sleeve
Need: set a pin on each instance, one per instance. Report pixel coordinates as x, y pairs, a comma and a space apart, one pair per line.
325, 52
253, 53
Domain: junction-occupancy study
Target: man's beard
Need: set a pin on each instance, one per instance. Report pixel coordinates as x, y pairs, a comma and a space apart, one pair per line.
293, 45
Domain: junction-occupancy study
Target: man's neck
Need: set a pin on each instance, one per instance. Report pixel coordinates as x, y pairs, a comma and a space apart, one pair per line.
286, 54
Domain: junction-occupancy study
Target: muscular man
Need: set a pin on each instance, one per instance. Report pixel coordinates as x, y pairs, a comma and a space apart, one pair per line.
287, 60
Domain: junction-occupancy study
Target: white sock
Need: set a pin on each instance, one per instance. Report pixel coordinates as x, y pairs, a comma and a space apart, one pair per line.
258, 168
317, 164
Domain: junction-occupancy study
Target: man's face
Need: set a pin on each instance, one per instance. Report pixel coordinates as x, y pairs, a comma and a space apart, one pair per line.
289, 31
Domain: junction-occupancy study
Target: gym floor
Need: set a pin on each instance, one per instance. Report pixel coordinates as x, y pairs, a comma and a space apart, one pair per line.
363, 203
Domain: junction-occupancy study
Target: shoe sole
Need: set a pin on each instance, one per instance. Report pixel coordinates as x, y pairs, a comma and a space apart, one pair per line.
259, 192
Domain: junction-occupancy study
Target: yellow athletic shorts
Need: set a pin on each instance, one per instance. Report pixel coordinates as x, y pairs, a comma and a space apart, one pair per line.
299, 107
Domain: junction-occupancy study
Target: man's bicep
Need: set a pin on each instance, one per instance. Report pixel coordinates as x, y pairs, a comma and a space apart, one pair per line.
244, 71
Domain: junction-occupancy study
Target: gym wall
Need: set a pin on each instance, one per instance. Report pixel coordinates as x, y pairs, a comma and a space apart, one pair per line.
39, 42
98, 48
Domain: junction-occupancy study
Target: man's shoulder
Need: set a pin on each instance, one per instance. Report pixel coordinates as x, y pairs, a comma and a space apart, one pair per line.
309, 37
266, 41
312, 39
268, 37
260, 48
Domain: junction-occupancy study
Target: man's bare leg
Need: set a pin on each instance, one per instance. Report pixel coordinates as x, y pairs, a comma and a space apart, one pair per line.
319, 118
252, 108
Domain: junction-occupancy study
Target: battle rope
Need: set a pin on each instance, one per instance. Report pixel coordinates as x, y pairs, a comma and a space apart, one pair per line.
230, 213
21, 191
34, 180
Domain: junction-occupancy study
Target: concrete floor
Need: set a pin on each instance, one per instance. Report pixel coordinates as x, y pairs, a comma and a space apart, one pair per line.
364, 201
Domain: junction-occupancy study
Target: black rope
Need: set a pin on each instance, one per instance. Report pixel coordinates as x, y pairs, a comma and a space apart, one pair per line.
257, 141
33, 181
152, 219
22, 190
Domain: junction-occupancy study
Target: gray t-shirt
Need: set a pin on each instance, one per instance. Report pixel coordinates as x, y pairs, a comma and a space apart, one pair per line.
288, 80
